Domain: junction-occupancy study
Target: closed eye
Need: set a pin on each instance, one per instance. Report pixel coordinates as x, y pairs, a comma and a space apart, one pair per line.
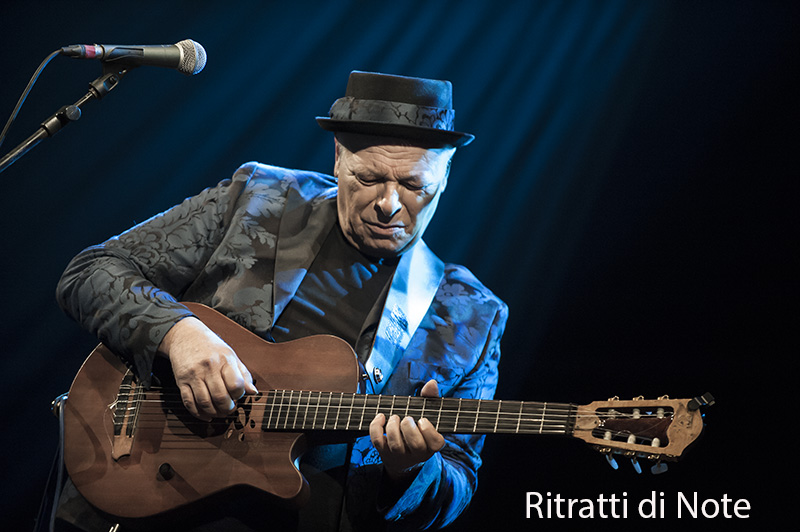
416, 186
367, 179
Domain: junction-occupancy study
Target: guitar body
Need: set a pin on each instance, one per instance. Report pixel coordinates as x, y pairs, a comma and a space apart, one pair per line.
152, 458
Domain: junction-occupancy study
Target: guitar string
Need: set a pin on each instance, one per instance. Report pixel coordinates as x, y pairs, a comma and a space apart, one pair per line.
178, 428
287, 395
340, 410
548, 425
554, 410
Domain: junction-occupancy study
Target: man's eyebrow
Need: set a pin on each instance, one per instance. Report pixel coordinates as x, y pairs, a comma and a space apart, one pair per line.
411, 177
360, 169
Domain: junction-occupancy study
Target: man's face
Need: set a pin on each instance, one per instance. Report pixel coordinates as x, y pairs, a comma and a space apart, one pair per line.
388, 191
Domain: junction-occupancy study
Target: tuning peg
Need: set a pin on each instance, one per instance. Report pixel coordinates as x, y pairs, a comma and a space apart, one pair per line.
658, 468
635, 464
704, 400
606, 451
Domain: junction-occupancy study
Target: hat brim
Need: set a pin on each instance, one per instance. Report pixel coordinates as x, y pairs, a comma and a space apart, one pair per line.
438, 138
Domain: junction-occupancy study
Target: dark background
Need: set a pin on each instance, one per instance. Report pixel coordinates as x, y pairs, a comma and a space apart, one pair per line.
629, 195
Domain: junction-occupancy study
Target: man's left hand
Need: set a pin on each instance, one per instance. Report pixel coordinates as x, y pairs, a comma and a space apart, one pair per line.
403, 444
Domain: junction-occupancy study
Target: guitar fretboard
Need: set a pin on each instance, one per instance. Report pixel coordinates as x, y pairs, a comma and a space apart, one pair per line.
308, 411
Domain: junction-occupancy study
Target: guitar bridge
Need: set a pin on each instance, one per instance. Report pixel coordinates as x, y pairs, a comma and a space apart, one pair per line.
126, 409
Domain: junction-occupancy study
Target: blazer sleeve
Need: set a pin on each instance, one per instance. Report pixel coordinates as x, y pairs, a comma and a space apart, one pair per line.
459, 346
124, 290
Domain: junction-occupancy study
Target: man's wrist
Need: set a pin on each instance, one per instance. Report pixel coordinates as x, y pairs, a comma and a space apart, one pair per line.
174, 334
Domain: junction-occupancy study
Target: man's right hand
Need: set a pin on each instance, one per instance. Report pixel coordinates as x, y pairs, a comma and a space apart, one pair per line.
210, 376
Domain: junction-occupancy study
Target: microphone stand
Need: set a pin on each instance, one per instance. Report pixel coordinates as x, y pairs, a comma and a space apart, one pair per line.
69, 113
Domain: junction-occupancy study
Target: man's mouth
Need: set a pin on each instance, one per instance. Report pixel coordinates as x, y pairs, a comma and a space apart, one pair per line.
384, 229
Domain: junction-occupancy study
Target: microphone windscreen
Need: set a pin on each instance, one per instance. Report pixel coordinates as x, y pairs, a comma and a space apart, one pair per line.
193, 57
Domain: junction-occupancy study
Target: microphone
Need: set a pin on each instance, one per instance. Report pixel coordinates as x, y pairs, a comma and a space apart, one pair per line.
187, 57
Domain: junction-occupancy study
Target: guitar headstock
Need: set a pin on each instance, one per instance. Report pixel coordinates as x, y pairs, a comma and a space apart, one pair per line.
659, 430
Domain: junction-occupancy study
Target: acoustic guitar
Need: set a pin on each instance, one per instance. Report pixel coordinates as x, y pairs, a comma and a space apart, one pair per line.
135, 452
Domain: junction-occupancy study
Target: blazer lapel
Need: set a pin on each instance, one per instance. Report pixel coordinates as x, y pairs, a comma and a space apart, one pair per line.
414, 285
304, 227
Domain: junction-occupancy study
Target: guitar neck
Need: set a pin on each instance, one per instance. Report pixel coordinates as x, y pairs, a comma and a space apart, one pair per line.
321, 411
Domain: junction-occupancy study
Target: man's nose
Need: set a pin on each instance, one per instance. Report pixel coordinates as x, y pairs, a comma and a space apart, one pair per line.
388, 201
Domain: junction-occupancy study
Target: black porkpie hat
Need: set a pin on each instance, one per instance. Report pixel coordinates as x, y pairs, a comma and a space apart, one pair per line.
396, 106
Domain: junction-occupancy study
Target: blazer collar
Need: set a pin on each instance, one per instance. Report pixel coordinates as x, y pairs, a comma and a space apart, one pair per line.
304, 226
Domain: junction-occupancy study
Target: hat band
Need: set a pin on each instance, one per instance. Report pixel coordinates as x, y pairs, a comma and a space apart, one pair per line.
357, 110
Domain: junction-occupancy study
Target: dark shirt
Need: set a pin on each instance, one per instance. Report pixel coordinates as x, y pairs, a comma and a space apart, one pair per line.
337, 293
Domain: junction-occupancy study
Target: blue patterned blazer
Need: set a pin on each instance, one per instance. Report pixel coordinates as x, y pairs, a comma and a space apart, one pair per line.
243, 247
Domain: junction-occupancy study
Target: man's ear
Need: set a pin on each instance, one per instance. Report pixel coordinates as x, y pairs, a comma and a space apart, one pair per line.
336, 158
447, 172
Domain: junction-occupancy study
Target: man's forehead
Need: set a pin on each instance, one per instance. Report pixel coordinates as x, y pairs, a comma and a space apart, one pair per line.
396, 160
356, 142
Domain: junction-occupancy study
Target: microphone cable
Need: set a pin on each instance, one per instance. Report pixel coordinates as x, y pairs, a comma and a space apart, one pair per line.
25, 94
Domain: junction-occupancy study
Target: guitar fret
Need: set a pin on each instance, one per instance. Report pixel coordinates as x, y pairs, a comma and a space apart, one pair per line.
349, 413
345, 411
271, 409
280, 409
305, 412
458, 413
279, 404
297, 410
291, 409
477, 415
363, 411
541, 423
288, 409
327, 411
336, 420
305, 407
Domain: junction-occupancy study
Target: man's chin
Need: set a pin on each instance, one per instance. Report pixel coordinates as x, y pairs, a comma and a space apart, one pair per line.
380, 246
383, 249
